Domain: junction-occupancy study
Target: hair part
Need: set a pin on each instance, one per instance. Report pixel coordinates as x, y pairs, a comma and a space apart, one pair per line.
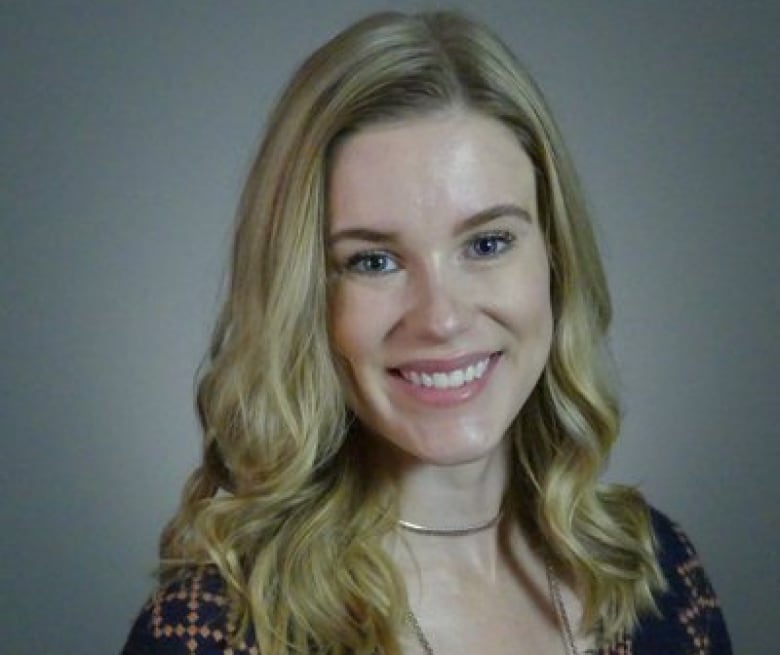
280, 503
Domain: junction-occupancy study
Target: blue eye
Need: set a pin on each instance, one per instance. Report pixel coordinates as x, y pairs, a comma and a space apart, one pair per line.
489, 245
371, 263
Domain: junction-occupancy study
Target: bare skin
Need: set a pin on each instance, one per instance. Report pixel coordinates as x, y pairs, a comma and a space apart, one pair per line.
482, 593
442, 322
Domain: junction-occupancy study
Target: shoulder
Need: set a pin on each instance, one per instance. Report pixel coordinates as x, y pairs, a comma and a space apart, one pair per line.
690, 620
189, 616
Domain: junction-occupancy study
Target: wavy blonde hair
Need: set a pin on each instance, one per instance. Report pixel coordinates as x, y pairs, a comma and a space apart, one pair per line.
280, 503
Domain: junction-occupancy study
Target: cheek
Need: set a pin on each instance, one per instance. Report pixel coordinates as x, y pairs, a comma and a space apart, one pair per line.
520, 299
340, 320
537, 298
357, 323
537, 308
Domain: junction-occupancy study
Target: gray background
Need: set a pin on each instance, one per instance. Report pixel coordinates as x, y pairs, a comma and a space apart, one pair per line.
126, 129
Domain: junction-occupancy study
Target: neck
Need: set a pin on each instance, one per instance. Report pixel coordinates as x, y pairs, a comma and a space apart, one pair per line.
451, 496
448, 496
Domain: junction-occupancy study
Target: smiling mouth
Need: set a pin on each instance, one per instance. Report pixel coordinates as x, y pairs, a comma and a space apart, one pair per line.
449, 379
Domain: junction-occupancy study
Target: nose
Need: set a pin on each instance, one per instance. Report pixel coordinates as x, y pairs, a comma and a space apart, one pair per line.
439, 308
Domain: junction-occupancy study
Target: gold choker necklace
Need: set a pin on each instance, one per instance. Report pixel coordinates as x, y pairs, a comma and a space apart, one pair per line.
449, 531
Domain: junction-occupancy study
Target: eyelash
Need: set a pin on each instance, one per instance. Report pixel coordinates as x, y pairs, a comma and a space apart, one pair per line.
356, 263
507, 238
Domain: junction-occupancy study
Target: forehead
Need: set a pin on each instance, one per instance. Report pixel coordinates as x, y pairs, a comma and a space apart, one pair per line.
449, 165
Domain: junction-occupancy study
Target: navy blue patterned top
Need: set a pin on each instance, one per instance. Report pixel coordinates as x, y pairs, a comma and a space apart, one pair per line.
190, 617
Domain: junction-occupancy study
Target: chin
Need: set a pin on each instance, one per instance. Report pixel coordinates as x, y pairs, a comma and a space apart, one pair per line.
447, 444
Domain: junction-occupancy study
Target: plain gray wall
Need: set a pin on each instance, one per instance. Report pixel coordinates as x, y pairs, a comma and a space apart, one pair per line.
126, 130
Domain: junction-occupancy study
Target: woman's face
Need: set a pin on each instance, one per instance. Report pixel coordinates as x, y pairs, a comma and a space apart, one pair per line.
440, 309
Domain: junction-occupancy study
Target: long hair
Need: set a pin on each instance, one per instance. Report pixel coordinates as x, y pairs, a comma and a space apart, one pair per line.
280, 503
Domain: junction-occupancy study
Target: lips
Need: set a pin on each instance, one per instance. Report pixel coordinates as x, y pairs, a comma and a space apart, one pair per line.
442, 379
446, 381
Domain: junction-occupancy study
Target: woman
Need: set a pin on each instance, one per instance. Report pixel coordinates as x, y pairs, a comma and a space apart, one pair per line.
407, 405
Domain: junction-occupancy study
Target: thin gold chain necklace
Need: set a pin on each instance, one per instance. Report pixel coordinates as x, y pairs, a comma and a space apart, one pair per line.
560, 611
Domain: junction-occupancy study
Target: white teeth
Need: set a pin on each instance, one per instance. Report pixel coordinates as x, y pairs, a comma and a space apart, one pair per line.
440, 380
481, 367
451, 380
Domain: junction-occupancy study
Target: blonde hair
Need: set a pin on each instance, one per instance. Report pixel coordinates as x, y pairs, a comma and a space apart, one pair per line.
296, 532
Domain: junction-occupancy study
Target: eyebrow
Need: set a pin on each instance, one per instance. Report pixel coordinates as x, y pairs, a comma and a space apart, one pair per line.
475, 220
